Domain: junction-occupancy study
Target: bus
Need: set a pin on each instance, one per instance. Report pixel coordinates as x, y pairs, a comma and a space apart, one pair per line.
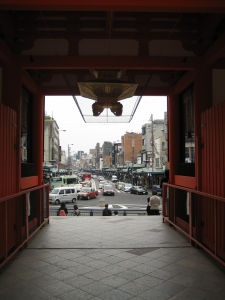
67, 180
86, 176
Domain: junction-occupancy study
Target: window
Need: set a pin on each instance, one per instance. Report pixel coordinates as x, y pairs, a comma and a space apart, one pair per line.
143, 142
143, 130
163, 146
61, 192
68, 191
157, 162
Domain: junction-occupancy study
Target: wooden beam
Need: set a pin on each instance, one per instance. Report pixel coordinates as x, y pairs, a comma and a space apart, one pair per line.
219, 64
206, 6
216, 51
29, 82
65, 91
184, 82
105, 62
6, 55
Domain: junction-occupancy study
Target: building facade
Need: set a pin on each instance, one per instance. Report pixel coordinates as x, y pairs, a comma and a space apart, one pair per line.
154, 143
131, 145
51, 142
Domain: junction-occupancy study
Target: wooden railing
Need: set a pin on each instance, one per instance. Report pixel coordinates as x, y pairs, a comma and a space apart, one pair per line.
21, 216
200, 216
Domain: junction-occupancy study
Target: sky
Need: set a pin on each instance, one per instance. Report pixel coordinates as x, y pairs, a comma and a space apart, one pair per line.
85, 136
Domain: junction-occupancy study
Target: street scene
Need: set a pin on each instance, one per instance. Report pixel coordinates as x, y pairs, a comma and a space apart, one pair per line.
119, 200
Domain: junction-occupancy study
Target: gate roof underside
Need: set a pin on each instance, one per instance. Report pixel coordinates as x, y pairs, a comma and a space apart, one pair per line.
140, 43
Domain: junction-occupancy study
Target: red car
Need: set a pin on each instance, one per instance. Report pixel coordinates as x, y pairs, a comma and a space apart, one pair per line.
86, 193
96, 192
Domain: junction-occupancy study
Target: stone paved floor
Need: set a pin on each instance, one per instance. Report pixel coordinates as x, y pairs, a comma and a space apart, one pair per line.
119, 257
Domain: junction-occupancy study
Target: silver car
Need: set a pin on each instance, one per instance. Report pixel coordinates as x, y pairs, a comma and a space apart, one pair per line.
126, 187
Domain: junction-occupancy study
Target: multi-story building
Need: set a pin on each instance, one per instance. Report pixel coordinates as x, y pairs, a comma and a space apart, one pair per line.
116, 149
131, 146
93, 155
79, 155
106, 153
154, 143
51, 141
98, 155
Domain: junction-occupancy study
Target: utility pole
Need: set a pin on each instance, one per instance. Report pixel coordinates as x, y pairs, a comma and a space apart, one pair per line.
132, 157
152, 142
69, 159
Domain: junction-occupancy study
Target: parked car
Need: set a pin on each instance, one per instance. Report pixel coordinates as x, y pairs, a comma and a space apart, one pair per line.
86, 193
108, 190
158, 189
126, 187
139, 190
63, 194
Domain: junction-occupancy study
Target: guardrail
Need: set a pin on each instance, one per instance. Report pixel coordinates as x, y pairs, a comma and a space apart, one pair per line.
198, 215
22, 215
98, 212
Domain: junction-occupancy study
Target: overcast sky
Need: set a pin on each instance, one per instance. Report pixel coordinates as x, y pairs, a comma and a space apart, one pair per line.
84, 136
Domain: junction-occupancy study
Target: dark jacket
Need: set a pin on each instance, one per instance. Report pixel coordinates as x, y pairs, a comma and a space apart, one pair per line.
106, 212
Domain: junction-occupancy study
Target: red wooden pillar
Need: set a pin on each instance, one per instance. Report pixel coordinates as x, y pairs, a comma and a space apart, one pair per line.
38, 148
174, 135
174, 148
38, 135
202, 101
12, 97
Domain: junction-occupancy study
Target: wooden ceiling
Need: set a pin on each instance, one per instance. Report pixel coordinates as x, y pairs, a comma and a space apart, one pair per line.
154, 44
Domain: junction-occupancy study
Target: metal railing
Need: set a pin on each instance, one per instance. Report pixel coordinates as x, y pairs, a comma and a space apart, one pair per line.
198, 215
22, 215
98, 212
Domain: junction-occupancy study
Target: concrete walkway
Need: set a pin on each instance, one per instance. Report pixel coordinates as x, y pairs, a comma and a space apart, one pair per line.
122, 257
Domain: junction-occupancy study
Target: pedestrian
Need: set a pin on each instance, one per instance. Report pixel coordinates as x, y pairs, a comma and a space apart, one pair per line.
62, 211
76, 211
164, 179
154, 204
148, 207
106, 211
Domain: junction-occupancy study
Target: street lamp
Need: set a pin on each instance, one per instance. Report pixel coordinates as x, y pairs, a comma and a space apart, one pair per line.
69, 157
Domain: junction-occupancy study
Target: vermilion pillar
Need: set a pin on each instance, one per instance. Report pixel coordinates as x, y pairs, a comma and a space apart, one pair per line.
38, 134
202, 101
174, 135
12, 98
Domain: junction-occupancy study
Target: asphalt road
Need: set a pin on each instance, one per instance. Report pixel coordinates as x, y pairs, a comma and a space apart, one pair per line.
121, 200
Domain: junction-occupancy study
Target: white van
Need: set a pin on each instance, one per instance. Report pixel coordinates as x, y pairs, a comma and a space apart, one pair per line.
63, 194
114, 178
